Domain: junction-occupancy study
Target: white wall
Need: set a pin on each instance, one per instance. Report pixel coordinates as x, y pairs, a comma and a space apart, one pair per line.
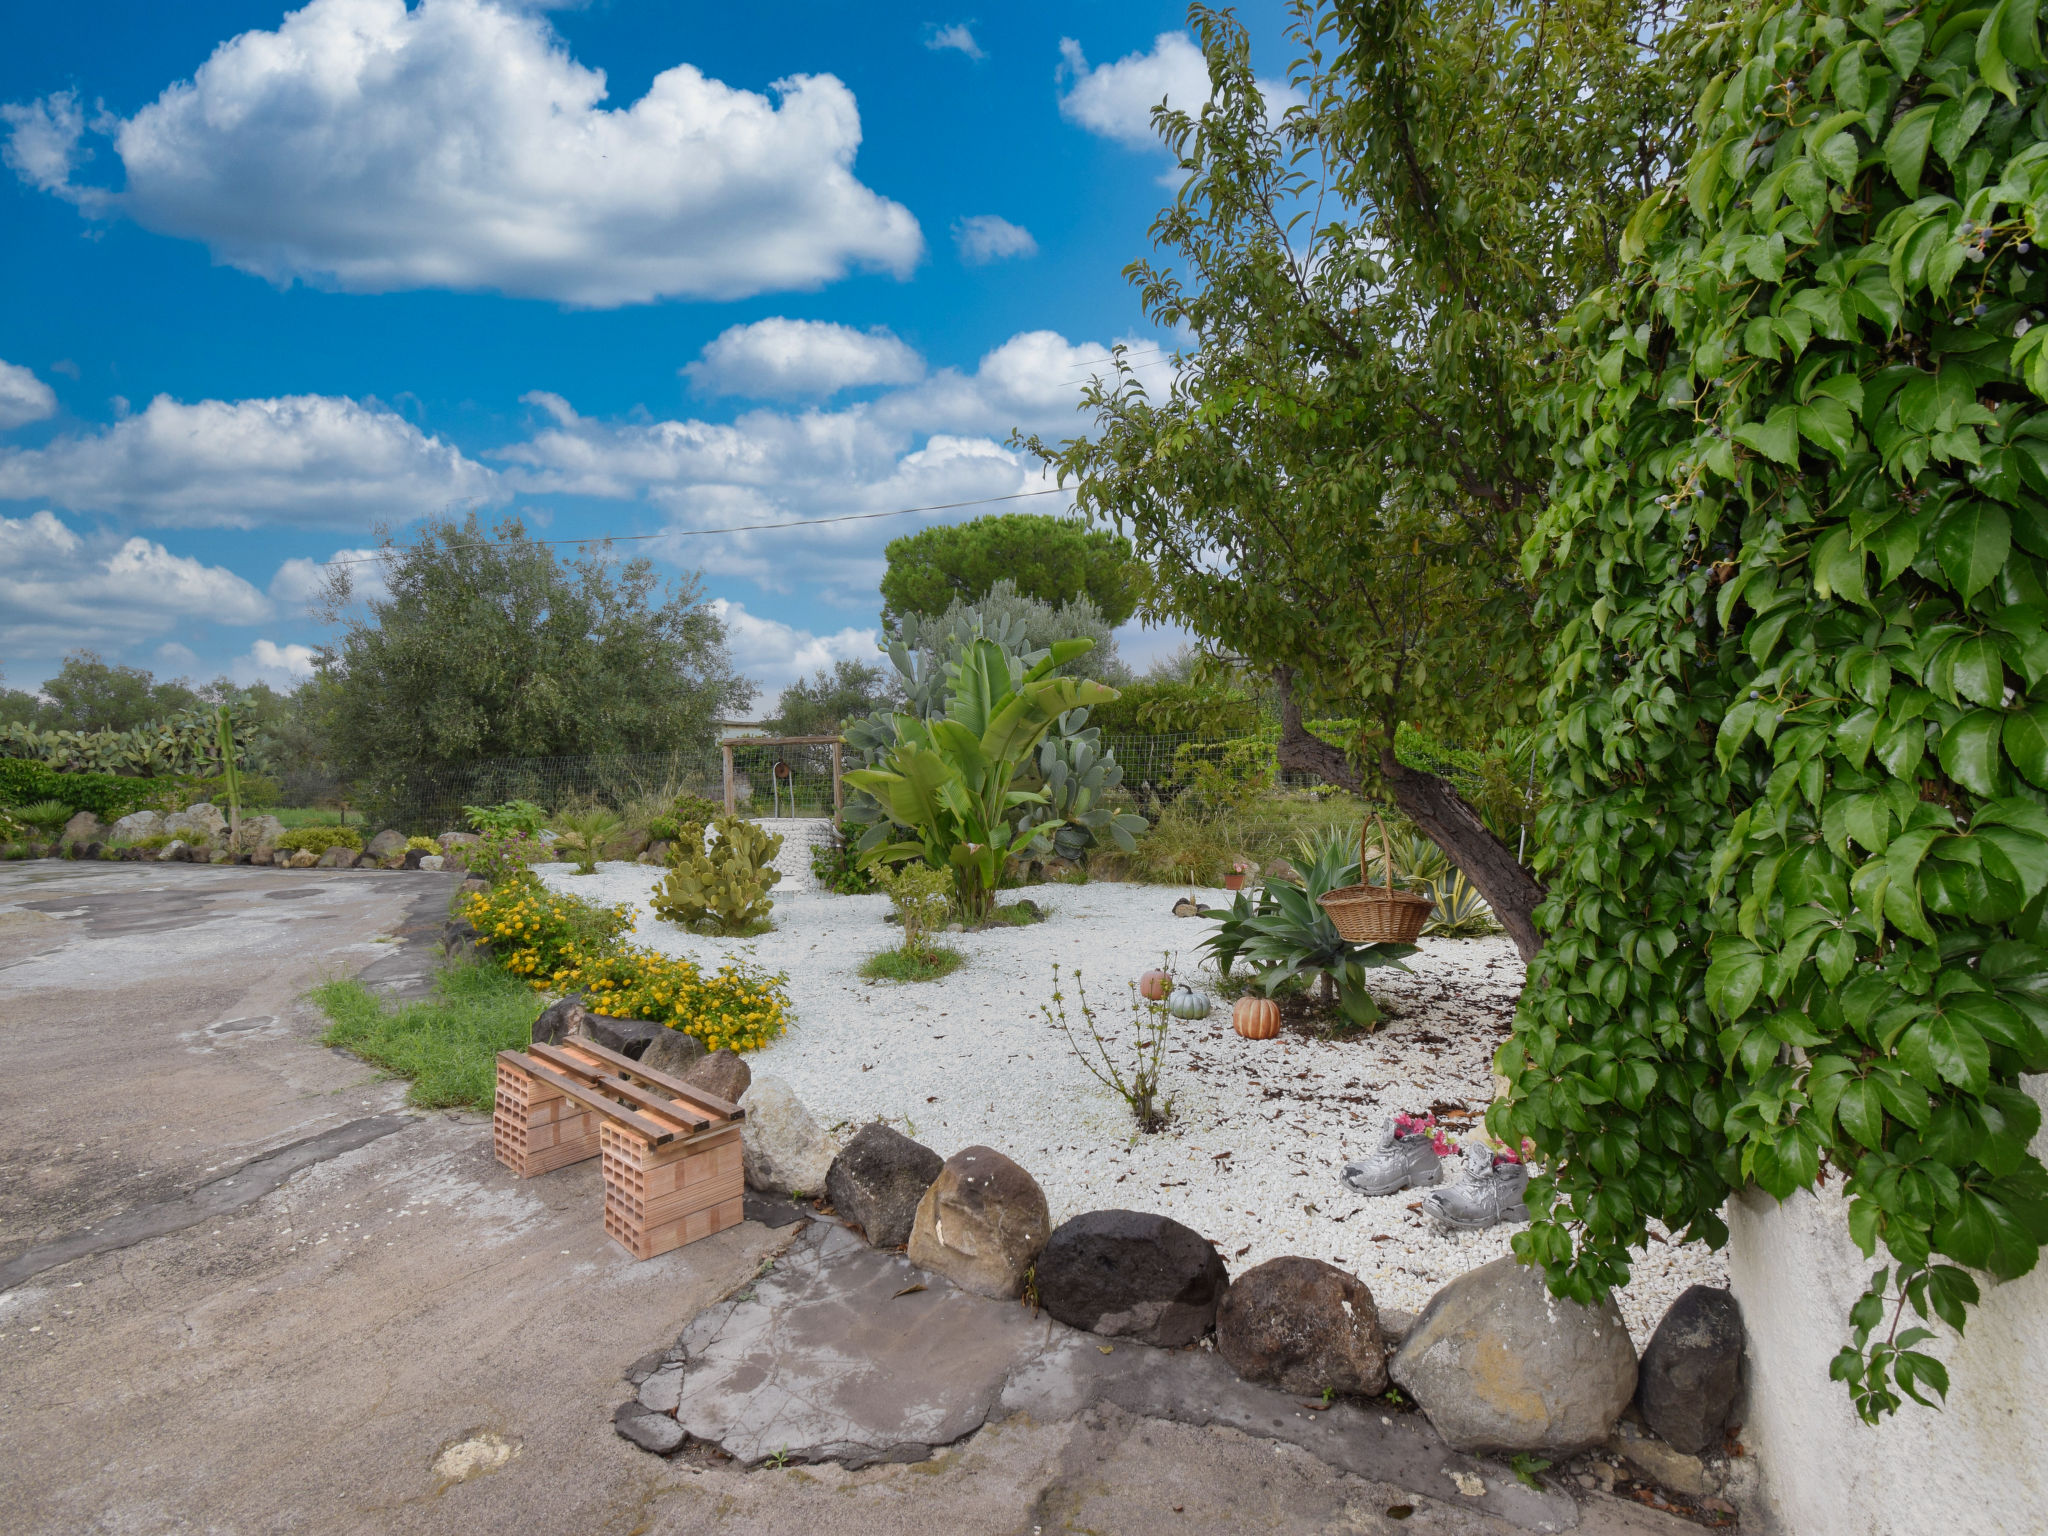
1980, 1466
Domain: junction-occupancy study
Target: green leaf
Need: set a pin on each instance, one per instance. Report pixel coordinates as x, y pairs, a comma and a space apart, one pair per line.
1861, 1112
1837, 156
1944, 1048
1978, 672
1734, 977
1837, 563
1991, 63
1972, 543
1902, 45
1969, 751
1905, 147
2026, 743
1776, 437
1827, 423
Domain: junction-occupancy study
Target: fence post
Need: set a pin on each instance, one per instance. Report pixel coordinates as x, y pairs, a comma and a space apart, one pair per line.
838, 793
725, 751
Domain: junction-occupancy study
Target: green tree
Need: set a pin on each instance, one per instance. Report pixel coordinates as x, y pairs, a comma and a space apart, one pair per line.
89, 695
819, 706
491, 646
1797, 723
1054, 559
1335, 485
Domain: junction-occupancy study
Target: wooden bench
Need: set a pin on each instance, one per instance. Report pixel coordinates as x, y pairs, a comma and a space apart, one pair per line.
671, 1151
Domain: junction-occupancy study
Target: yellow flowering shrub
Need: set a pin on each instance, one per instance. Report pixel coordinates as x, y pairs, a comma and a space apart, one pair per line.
562, 943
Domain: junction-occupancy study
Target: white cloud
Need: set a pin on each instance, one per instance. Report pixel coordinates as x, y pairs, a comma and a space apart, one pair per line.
59, 590
299, 583
182, 658
318, 459
455, 144
775, 654
983, 238
43, 146
23, 397
1116, 100
958, 36
779, 359
282, 666
938, 441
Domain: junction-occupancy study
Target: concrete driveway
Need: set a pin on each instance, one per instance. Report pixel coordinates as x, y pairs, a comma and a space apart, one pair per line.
244, 1290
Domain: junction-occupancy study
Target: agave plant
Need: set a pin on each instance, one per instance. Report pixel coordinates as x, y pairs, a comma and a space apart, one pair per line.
584, 834
1285, 933
1461, 912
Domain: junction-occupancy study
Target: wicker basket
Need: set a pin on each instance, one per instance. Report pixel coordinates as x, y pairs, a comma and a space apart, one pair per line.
1372, 914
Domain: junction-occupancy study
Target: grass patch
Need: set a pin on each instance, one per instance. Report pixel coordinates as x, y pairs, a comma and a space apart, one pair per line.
927, 964
1015, 914
447, 1044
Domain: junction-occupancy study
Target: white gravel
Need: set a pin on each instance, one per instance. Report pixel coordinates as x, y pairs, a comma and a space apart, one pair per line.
1260, 1128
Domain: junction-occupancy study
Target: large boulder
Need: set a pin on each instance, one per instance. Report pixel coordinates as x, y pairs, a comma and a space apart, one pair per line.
258, 834
384, 844
81, 829
1692, 1369
1132, 1274
198, 823
305, 858
629, 1037
173, 851
981, 1224
1303, 1326
450, 840
137, 825
724, 1074
338, 857
1499, 1364
878, 1181
673, 1052
558, 1021
783, 1149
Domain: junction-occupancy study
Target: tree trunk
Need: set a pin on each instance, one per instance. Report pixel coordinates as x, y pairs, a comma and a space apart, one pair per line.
1438, 811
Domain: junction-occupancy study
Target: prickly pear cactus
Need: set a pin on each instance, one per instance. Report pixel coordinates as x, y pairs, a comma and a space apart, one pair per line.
723, 887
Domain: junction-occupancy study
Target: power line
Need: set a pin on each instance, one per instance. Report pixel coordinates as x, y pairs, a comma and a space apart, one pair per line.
689, 533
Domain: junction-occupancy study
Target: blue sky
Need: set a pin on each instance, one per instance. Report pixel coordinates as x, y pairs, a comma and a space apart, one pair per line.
631, 267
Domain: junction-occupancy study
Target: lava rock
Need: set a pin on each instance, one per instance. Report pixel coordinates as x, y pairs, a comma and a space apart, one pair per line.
1692, 1369
1132, 1274
655, 1432
981, 1224
558, 1021
782, 1149
878, 1181
414, 857
724, 1074
629, 1037
384, 844
460, 938
1499, 1364
1303, 1326
672, 1052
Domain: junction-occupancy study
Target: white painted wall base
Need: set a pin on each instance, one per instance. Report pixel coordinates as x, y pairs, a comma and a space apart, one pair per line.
1980, 1466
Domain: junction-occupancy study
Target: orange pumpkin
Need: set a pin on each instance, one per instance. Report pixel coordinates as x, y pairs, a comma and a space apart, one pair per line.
1154, 985
1256, 1018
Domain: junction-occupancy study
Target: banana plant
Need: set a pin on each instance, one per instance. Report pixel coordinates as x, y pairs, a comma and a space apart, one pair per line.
950, 782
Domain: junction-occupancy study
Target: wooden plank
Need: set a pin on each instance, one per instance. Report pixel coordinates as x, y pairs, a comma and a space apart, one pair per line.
689, 1118
611, 1109
725, 750
625, 1066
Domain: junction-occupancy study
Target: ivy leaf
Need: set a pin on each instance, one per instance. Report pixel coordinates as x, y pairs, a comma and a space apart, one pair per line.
1902, 45
1957, 122
1944, 1048
1972, 542
2026, 743
1776, 437
1969, 751
1734, 977
1837, 562
1861, 1112
1978, 671
1827, 423
1985, 1233
1905, 147
1838, 156
1835, 956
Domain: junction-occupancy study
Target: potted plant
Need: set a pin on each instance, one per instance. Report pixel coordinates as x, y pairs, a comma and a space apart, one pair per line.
1240, 872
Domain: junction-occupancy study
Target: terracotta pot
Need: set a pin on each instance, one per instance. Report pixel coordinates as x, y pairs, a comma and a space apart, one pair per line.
1233, 881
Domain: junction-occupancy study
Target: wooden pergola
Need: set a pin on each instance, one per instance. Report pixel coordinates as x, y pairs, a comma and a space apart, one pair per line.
836, 743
